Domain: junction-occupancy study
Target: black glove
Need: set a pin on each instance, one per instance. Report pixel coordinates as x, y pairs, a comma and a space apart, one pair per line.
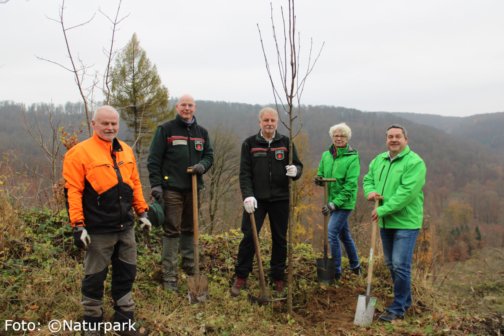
318, 182
198, 169
81, 238
328, 208
157, 193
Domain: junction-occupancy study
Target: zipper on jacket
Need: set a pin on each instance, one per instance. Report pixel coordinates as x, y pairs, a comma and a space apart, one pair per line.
384, 183
188, 144
98, 199
120, 185
269, 161
381, 173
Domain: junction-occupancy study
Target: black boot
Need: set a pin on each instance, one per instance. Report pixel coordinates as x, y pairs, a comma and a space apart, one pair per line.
127, 321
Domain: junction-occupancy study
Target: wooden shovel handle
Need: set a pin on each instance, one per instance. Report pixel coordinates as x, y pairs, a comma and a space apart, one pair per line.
374, 224
195, 222
258, 254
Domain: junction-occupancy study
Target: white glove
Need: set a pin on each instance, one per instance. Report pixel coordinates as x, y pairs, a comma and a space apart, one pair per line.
81, 238
250, 204
291, 171
145, 224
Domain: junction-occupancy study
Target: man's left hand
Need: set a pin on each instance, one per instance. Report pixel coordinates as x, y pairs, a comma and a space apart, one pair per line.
291, 171
328, 208
145, 224
198, 169
374, 215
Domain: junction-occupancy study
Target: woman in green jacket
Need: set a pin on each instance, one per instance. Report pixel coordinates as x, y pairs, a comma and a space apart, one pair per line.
342, 163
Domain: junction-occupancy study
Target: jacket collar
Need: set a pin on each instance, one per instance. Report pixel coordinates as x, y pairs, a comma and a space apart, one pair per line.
259, 138
405, 152
180, 121
112, 147
349, 151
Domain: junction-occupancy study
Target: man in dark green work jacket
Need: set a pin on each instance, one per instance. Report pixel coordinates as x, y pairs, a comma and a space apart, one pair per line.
398, 176
178, 144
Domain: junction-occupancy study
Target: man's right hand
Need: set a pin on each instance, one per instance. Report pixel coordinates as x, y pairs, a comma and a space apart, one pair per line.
81, 238
371, 196
318, 182
157, 193
250, 204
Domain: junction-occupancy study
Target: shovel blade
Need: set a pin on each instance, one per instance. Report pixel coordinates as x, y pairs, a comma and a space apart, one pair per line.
197, 286
365, 311
326, 270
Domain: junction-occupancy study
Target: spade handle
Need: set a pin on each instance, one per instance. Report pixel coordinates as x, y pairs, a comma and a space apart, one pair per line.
374, 224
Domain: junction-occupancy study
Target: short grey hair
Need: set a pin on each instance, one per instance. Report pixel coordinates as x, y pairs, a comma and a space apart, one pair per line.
405, 133
104, 107
268, 109
343, 127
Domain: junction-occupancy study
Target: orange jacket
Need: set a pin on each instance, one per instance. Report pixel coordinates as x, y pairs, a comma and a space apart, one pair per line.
102, 185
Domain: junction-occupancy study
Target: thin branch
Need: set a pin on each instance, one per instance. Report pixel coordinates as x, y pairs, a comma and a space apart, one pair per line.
20, 266
82, 24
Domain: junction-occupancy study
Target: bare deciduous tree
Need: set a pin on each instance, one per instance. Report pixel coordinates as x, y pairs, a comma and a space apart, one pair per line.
79, 69
222, 177
292, 87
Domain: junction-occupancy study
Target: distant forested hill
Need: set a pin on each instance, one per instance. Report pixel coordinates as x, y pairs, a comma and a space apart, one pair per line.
484, 128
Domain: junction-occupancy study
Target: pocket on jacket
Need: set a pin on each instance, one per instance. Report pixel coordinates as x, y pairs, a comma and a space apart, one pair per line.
101, 175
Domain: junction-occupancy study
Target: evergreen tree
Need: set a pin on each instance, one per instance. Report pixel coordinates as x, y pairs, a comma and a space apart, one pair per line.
477, 233
139, 96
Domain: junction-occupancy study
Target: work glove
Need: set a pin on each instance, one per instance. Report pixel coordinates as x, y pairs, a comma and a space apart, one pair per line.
145, 224
328, 208
81, 238
198, 169
157, 193
250, 204
291, 171
318, 182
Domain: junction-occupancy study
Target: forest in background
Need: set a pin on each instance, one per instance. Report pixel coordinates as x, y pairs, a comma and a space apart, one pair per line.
463, 193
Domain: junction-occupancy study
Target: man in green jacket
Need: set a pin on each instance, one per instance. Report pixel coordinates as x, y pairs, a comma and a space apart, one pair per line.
398, 176
178, 144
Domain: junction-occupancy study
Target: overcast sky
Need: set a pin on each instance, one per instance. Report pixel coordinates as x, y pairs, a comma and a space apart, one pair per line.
430, 56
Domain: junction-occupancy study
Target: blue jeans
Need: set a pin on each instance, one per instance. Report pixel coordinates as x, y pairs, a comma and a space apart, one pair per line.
338, 230
398, 246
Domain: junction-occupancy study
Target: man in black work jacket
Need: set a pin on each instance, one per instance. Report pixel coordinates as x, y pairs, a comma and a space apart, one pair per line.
178, 144
264, 184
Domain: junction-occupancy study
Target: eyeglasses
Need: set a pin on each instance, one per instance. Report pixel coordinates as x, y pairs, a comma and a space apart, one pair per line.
339, 136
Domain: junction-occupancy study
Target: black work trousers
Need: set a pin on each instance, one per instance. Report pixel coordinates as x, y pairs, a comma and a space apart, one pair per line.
278, 213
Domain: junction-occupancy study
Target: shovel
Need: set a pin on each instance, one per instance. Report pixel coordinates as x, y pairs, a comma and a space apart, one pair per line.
326, 267
264, 299
366, 303
197, 285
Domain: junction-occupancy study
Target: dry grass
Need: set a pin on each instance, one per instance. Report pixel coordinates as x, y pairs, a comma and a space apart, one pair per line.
41, 274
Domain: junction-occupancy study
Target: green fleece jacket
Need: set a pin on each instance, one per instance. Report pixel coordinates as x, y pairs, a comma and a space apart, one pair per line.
346, 169
400, 182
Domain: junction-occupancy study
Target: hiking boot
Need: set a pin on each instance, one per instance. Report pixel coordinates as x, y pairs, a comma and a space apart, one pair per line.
186, 244
238, 285
356, 271
171, 286
278, 287
387, 309
389, 317
337, 276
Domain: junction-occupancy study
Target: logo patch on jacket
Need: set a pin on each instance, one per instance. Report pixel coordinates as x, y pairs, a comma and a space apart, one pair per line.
198, 145
279, 154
